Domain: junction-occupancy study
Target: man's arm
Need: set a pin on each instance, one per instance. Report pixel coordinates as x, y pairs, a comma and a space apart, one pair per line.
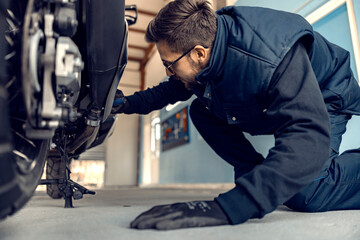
301, 146
155, 98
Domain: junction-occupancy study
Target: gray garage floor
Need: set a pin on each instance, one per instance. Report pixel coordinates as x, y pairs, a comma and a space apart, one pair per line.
107, 216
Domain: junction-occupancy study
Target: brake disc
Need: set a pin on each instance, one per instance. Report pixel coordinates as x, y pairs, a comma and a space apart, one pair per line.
32, 35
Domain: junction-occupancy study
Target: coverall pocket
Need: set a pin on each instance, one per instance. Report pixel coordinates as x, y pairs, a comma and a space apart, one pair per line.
251, 118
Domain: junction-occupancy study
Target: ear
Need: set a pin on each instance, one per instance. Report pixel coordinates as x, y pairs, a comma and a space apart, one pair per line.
201, 53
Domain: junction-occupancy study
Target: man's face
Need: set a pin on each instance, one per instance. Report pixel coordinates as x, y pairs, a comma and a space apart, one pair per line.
188, 66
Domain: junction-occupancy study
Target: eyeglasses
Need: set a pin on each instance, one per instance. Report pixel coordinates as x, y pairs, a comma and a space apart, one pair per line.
168, 66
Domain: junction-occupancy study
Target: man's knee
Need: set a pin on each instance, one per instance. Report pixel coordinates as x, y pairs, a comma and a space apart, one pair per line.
310, 199
299, 203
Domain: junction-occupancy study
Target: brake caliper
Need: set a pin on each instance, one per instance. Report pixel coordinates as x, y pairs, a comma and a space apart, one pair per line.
51, 67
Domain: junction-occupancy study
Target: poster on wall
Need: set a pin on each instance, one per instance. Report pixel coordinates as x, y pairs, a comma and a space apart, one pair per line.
175, 130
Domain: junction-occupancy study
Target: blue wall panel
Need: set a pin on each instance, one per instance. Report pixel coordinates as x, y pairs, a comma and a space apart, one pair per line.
357, 13
357, 16
284, 5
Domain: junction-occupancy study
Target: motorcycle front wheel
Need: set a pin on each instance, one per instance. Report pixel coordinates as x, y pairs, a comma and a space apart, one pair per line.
21, 159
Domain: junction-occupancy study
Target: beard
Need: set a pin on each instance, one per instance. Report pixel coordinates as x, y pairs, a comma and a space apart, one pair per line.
192, 85
189, 81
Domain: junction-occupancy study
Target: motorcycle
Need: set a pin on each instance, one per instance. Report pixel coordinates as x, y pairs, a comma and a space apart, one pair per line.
60, 64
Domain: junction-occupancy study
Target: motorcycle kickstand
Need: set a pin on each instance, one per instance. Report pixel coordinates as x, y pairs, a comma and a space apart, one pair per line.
71, 189
67, 189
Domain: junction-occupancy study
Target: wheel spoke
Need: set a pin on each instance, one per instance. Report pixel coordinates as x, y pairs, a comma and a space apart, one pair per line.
10, 55
24, 138
18, 119
11, 82
14, 95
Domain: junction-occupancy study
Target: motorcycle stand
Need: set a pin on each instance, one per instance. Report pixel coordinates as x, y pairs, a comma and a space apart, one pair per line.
69, 188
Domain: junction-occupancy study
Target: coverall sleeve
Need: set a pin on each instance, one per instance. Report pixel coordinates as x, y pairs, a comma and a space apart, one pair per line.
302, 142
155, 98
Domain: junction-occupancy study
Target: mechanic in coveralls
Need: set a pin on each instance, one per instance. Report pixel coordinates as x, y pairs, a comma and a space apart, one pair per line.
259, 71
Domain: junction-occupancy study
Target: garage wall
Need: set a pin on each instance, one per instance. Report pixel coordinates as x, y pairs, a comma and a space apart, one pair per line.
149, 160
127, 150
122, 147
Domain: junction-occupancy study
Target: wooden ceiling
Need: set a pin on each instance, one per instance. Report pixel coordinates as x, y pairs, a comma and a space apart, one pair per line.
140, 51
145, 48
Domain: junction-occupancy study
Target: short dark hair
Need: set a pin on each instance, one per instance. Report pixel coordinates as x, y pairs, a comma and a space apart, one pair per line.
184, 24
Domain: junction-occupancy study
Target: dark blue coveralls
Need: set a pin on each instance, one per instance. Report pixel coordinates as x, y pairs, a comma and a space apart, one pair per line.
270, 73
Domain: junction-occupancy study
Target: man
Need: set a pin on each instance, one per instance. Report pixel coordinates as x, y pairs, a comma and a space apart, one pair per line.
259, 71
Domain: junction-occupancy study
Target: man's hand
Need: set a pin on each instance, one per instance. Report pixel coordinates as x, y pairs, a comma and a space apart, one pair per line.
181, 215
120, 103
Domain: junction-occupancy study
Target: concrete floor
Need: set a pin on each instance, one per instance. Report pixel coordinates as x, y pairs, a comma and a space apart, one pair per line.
107, 216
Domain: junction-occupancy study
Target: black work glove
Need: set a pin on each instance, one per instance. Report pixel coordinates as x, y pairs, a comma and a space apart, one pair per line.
120, 103
181, 215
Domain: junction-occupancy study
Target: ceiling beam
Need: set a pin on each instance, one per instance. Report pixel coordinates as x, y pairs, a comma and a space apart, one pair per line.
148, 54
137, 47
145, 12
129, 85
136, 59
137, 30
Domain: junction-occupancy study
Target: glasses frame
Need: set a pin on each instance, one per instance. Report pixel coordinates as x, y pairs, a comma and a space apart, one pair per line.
168, 66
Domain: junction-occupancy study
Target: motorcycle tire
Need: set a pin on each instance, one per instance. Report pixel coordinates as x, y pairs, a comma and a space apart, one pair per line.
21, 159
55, 169
17, 187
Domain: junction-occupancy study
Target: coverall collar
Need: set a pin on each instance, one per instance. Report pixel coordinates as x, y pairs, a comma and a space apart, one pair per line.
218, 53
